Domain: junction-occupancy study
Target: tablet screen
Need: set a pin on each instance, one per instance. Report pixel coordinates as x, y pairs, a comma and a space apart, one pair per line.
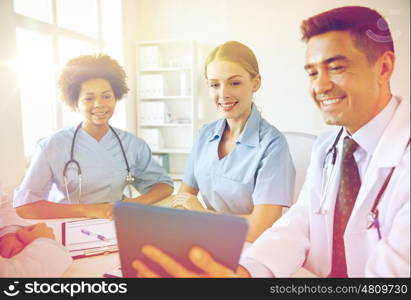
176, 231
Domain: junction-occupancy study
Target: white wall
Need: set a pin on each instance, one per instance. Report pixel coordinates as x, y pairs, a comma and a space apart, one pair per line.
271, 29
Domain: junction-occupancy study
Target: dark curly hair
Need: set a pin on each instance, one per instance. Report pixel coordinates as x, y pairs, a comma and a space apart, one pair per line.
86, 67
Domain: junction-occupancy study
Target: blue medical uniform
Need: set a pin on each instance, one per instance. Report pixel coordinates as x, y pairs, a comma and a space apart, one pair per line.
258, 171
102, 164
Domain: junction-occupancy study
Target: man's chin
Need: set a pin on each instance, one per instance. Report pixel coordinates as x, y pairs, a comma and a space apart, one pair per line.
332, 120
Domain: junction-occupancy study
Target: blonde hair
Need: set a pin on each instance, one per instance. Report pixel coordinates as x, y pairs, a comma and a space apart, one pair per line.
234, 52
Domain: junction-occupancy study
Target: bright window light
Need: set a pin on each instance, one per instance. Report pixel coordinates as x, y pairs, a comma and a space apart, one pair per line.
38, 9
112, 29
36, 77
43, 49
70, 48
78, 15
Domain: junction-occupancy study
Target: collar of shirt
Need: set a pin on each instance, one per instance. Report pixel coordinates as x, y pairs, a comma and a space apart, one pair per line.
107, 136
368, 136
251, 133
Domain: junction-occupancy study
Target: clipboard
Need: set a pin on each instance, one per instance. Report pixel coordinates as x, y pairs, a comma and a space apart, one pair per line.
82, 245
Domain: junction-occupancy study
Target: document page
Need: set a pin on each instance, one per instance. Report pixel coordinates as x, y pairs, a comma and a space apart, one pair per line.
89, 234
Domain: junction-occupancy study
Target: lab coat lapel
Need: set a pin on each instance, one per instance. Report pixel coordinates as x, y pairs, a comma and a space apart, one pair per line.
388, 154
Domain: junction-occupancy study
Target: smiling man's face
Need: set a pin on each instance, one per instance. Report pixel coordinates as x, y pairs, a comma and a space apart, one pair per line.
343, 84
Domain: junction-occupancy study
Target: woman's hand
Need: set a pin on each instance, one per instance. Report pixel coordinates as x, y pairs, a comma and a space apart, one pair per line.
10, 245
99, 211
30, 233
186, 201
199, 257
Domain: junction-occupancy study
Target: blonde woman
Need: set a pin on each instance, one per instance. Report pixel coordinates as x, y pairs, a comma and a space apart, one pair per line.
240, 163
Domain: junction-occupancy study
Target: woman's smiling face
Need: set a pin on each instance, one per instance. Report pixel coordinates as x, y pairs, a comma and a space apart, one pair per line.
231, 88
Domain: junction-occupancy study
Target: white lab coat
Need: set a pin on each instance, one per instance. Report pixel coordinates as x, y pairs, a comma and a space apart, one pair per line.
303, 238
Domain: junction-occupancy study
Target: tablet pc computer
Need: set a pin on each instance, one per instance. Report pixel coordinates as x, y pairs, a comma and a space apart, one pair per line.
175, 231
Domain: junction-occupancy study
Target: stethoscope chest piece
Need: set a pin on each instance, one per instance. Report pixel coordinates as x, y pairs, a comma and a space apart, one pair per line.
129, 190
130, 179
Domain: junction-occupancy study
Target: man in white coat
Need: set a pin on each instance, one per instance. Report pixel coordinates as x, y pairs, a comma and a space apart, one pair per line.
27, 250
352, 218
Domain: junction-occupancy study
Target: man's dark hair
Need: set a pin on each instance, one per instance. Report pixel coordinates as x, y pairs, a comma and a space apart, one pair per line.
367, 27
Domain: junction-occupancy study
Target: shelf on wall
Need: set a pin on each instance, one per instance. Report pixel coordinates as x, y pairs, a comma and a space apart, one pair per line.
172, 150
166, 70
166, 98
167, 74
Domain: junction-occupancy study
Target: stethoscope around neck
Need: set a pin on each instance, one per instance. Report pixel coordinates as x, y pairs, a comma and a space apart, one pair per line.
372, 217
331, 155
129, 191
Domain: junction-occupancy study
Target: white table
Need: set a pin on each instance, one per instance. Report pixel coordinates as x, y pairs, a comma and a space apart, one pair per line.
93, 266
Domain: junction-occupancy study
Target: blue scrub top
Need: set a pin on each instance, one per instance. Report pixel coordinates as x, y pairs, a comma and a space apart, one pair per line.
258, 171
102, 164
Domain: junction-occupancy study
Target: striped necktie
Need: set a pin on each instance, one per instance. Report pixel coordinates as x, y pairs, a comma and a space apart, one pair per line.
350, 183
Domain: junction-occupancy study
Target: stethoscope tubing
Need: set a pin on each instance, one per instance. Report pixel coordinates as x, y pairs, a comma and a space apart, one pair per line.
333, 151
129, 177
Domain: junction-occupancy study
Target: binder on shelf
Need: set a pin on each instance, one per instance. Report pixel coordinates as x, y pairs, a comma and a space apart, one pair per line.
153, 113
151, 85
167, 99
183, 84
149, 57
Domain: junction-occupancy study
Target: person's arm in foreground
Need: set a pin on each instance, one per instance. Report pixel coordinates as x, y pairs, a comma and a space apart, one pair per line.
33, 254
49, 210
198, 256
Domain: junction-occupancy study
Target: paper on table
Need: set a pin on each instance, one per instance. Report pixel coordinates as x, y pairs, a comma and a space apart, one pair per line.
114, 273
76, 240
